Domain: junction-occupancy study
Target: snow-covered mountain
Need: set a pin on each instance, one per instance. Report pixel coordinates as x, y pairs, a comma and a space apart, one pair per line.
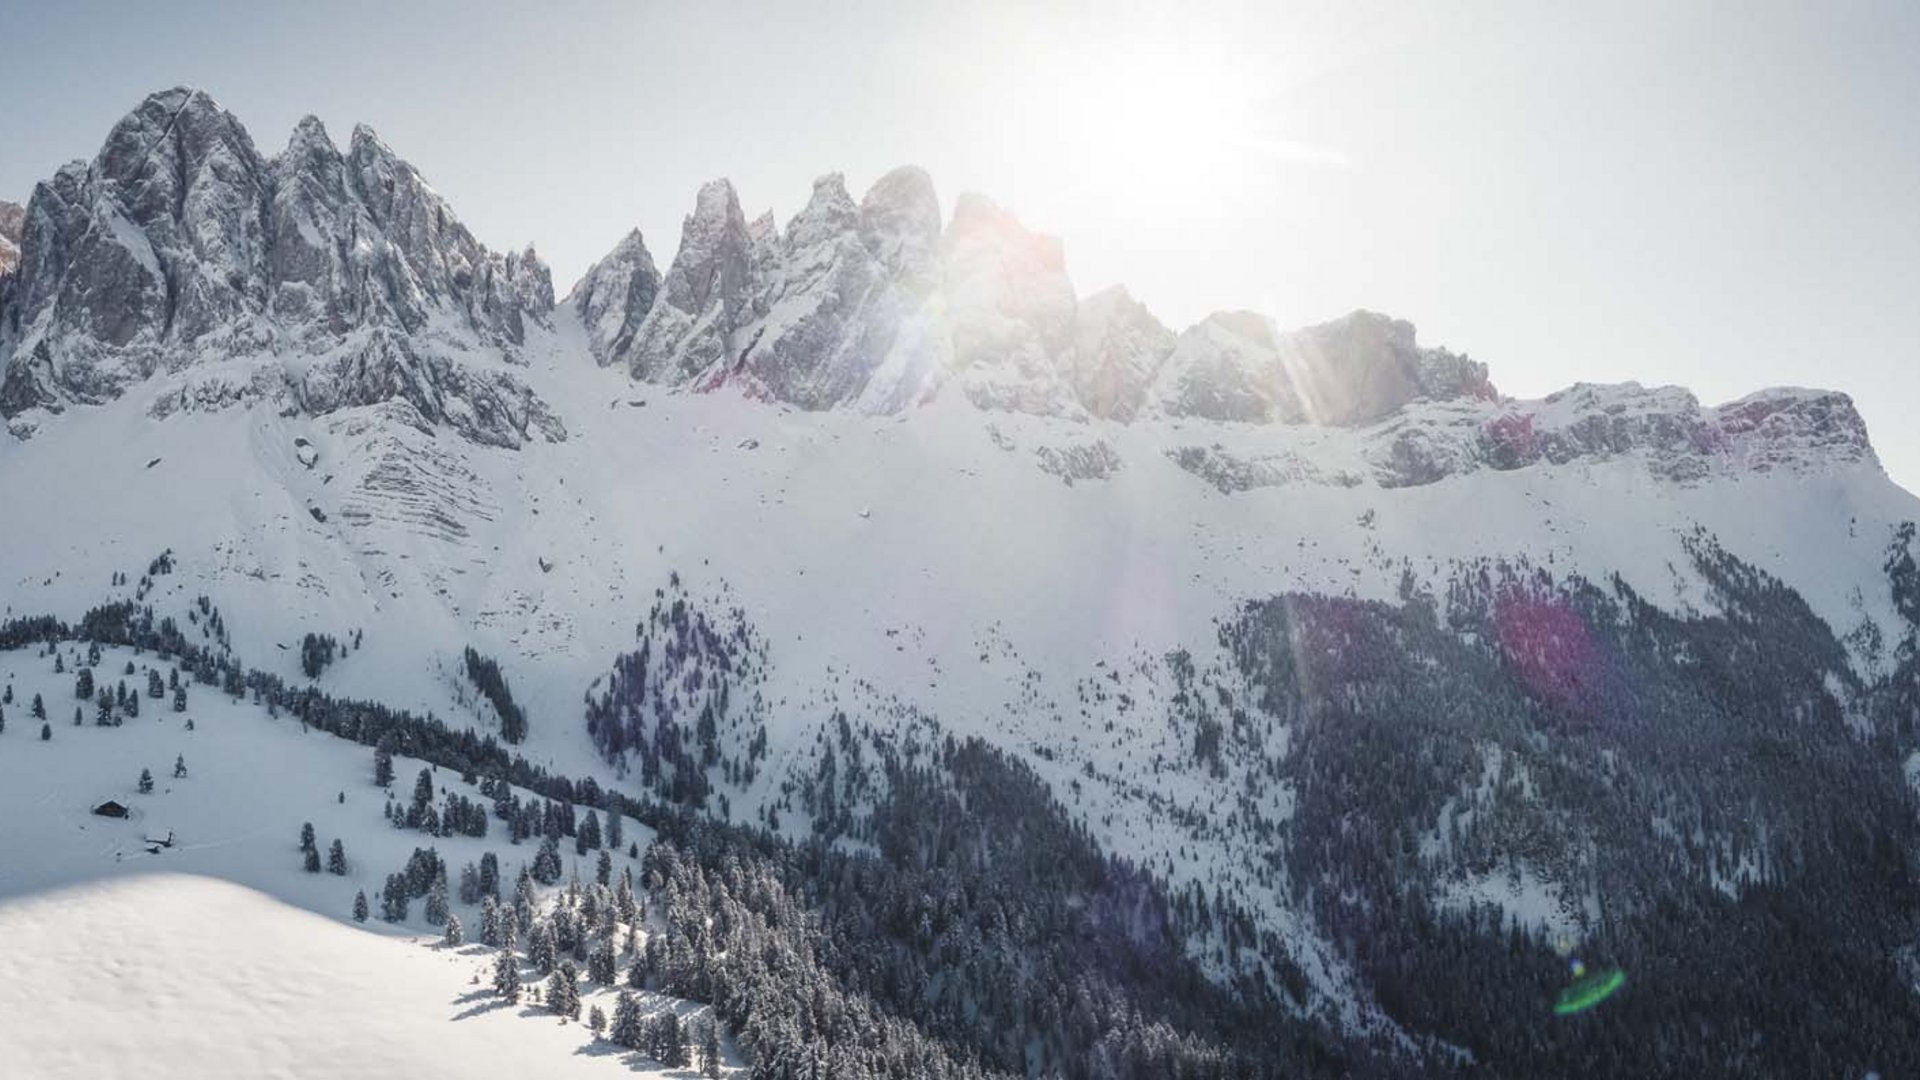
315, 280
1312, 670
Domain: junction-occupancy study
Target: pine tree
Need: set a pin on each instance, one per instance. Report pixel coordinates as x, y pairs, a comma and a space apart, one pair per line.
179, 699
625, 1030
490, 921
546, 863
602, 968
306, 836
383, 764
360, 906
422, 799
179, 766
83, 684
542, 951
665, 1042
155, 688
437, 903
337, 859
46, 732
710, 1048
146, 781
623, 901
614, 829
563, 991
395, 899
490, 875
311, 861
59, 665
506, 975
454, 937
76, 716
103, 714
39, 708
597, 1020
604, 872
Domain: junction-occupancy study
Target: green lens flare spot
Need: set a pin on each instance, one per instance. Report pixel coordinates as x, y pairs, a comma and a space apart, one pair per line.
1588, 992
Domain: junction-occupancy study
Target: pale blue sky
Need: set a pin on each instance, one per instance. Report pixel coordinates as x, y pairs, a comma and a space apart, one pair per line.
1720, 195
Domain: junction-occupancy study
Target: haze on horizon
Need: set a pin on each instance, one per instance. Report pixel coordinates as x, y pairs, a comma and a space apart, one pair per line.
1717, 195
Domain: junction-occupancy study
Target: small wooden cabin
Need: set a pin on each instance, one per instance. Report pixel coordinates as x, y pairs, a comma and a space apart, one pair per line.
110, 808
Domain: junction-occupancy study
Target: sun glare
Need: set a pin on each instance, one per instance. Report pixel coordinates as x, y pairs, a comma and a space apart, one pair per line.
1151, 126
1149, 123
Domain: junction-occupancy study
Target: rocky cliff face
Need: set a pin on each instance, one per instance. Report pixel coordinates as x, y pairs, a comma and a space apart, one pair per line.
1665, 430
13, 218
180, 245
873, 305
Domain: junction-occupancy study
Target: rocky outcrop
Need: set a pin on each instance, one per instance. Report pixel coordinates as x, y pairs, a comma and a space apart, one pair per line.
833, 310
179, 245
614, 297
1010, 312
834, 304
874, 306
13, 218
1118, 346
1665, 428
1354, 370
707, 296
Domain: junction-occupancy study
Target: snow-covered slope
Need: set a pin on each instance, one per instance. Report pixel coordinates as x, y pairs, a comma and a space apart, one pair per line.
172, 976
903, 480
201, 956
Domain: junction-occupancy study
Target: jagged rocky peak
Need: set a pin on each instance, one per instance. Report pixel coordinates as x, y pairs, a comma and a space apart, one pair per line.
1353, 370
842, 304
614, 297
831, 310
13, 218
1118, 346
900, 224
1010, 312
181, 245
706, 297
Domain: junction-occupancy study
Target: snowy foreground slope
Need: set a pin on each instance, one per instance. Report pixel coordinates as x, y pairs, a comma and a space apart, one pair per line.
1049, 691
170, 975
205, 956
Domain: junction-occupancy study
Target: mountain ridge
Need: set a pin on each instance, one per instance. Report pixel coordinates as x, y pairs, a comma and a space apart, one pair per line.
352, 259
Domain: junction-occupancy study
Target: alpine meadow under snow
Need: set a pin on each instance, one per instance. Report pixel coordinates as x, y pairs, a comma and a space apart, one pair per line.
842, 650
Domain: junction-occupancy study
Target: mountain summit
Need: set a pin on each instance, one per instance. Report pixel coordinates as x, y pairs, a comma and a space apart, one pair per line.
343, 279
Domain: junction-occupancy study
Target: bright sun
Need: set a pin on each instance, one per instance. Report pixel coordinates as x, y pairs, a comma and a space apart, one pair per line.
1147, 125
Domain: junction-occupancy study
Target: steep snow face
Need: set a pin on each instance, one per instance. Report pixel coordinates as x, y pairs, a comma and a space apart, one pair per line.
1118, 346
180, 249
